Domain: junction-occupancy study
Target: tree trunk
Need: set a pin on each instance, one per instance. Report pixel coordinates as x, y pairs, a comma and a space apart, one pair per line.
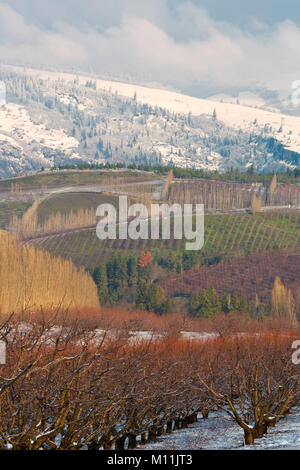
105, 442
249, 438
205, 414
94, 445
176, 424
169, 427
21, 446
107, 445
192, 418
152, 434
120, 443
143, 440
184, 422
189, 419
131, 441
260, 430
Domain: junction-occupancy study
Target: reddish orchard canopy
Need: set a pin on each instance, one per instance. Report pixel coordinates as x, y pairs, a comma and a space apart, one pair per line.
145, 259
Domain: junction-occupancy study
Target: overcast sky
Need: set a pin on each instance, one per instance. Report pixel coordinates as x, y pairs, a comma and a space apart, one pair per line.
198, 46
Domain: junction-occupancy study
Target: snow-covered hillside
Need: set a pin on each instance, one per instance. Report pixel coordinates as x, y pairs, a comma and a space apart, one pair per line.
22, 140
54, 118
241, 116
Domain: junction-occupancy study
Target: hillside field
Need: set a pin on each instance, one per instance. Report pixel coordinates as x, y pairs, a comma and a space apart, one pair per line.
59, 179
66, 202
251, 276
226, 236
11, 208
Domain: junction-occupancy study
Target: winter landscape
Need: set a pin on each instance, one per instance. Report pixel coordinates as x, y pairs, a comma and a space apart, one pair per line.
55, 118
119, 125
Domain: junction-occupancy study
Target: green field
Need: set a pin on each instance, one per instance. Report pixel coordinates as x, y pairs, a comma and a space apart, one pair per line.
67, 202
74, 178
226, 237
11, 208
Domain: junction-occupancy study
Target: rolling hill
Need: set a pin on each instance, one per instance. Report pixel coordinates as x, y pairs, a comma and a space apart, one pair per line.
227, 236
57, 118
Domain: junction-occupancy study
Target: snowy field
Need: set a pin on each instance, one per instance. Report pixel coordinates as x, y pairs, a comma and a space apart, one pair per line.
219, 432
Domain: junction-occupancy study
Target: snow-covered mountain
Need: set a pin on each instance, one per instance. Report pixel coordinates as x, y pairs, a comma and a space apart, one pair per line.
53, 118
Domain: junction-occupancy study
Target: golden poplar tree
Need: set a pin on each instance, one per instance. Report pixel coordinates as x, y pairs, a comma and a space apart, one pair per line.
282, 302
168, 182
32, 279
272, 188
255, 204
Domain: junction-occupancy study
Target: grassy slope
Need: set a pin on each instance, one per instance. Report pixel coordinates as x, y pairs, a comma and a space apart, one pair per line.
73, 178
65, 202
10, 208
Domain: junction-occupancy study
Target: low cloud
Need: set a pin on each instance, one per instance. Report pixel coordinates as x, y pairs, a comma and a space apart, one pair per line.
181, 46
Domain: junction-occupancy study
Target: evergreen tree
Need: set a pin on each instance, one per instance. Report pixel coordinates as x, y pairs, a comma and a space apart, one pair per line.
205, 304
226, 303
110, 274
188, 260
122, 271
102, 286
100, 278
141, 295
193, 303
235, 302
132, 271
171, 261
156, 299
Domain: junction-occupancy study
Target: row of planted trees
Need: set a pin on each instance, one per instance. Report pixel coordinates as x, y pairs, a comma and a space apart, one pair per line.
29, 226
228, 195
30, 277
71, 387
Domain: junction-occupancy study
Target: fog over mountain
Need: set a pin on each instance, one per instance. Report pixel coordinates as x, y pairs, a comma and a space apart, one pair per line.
198, 47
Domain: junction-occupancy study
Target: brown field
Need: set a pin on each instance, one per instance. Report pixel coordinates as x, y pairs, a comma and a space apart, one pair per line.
250, 276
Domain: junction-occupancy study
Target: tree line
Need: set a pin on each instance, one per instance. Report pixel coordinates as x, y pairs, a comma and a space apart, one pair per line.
32, 279
207, 303
234, 174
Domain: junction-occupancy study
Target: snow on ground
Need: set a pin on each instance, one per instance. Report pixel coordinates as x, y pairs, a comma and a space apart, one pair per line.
7, 139
197, 335
219, 432
137, 336
16, 122
245, 98
234, 115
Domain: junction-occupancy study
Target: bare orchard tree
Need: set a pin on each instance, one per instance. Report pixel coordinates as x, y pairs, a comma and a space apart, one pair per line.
255, 383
